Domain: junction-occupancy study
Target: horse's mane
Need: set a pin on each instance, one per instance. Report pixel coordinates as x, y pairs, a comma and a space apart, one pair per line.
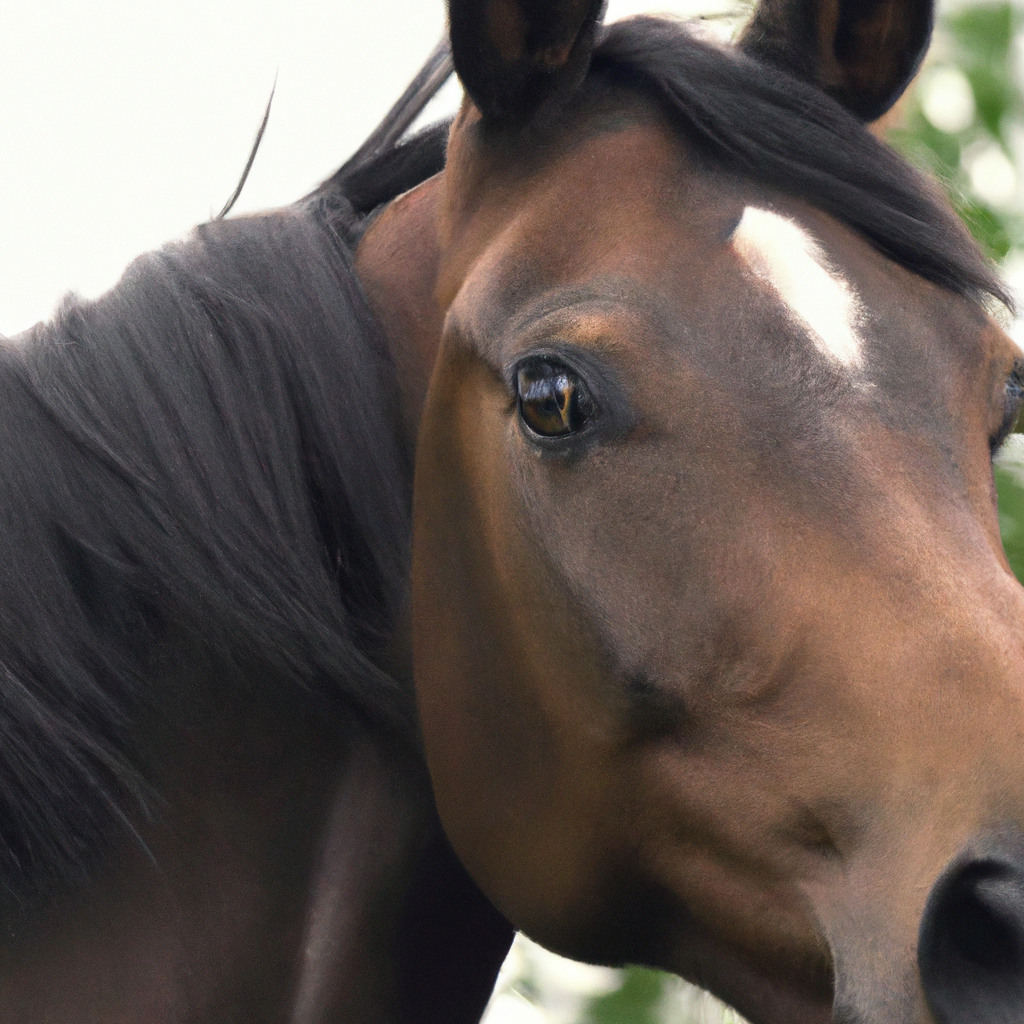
758, 121
208, 457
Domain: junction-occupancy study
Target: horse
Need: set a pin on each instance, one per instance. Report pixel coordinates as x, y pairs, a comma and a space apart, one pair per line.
578, 518
213, 801
718, 658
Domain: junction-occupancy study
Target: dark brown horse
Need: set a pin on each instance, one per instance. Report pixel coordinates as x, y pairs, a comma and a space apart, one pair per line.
719, 661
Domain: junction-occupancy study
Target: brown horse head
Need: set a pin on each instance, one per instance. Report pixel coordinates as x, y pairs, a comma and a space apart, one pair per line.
719, 659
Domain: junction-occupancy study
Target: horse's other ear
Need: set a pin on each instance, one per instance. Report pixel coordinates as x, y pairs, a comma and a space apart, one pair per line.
862, 52
513, 54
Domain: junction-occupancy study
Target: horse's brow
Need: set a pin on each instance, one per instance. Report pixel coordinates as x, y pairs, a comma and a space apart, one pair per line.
608, 300
606, 313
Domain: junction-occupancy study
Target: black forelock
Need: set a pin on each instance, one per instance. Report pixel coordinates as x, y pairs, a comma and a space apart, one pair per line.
758, 121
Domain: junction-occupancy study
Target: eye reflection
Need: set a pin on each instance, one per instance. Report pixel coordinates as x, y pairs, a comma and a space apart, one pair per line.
553, 401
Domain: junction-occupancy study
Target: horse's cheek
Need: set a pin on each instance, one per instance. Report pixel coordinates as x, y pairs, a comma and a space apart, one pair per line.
494, 732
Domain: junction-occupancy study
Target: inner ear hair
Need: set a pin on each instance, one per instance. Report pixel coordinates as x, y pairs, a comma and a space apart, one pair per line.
863, 53
512, 55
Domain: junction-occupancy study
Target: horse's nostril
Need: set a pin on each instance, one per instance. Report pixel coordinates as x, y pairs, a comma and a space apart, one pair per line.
986, 926
971, 946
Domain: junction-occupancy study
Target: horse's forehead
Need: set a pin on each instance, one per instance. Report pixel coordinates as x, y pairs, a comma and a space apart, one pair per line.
618, 199
726, 262
598, 185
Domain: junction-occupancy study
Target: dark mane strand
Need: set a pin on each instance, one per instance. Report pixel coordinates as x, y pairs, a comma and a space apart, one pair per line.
759, 121
349, 200
387, 164
256, 142
208, 467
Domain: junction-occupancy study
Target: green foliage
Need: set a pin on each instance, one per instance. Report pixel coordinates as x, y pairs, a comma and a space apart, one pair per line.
982, 37
638, 1001
978, 42
1010, 486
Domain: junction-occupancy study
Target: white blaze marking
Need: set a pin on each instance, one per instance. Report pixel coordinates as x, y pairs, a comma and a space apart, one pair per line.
783, 255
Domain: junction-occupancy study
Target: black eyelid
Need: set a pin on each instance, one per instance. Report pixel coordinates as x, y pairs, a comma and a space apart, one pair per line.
553, 355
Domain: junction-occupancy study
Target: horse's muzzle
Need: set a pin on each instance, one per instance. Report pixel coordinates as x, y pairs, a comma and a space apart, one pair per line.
971, 944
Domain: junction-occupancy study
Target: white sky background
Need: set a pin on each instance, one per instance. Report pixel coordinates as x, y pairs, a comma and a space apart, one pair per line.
125, 122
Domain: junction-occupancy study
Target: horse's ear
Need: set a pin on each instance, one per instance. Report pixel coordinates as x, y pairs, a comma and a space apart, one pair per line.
513, 54
862, 52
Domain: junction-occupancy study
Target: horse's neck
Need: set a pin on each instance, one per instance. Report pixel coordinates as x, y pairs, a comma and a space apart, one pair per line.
288, 878
397, 931
397, 262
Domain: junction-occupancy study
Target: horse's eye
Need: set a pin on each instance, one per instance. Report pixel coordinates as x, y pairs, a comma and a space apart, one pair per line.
553, 401
1014, 403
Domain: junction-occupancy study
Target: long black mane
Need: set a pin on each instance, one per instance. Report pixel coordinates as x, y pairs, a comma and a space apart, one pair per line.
207, 458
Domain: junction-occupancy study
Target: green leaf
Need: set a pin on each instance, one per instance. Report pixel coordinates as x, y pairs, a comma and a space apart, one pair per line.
1010, 488
638, 1001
